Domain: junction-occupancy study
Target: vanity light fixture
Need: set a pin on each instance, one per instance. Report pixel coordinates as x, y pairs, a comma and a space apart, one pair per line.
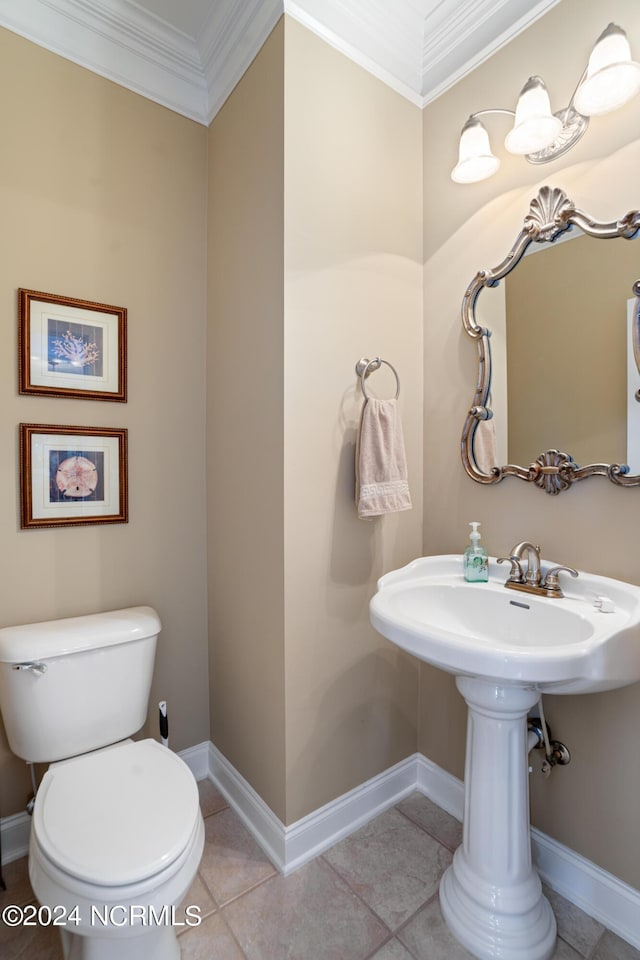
610, 79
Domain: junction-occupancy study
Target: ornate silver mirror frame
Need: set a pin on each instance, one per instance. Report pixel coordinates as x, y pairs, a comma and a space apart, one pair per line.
551, 213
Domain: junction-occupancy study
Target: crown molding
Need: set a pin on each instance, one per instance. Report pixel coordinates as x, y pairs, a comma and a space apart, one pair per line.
418, 47
231, 38
459, 35
118, 40
340, 30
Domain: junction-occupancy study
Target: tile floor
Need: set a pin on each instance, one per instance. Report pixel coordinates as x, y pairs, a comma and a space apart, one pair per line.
372, 896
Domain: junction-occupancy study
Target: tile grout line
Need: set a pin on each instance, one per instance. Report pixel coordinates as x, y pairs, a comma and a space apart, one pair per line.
232, 934
255, 886
594, 949
355, 893
424, 830
220, 908
381, 946
393, 933
409, 919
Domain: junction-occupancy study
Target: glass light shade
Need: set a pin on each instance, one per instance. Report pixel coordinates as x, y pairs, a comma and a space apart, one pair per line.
535, 127
612, 77
475, 159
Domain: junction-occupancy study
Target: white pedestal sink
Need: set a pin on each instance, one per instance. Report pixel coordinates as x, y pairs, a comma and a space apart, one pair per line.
505, 649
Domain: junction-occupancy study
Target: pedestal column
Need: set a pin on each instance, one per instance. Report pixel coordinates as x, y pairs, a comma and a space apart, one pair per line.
491, 896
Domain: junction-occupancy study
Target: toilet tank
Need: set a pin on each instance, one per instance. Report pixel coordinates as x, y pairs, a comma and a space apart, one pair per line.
71, 686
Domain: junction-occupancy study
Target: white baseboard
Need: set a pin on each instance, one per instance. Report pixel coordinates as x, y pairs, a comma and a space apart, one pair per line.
605, 898
290, 847
197, 759
441, 787
257, 817
14, 834
310, 836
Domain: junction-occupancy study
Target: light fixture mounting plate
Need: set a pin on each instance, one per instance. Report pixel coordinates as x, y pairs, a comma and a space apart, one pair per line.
574, 126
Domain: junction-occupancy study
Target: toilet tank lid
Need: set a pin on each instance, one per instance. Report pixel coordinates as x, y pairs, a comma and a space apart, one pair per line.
54, 638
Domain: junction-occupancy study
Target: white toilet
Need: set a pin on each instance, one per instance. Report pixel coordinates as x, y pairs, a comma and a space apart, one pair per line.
117, 832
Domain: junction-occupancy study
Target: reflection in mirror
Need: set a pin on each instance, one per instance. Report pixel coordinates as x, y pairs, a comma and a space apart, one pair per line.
566, 346
558, 351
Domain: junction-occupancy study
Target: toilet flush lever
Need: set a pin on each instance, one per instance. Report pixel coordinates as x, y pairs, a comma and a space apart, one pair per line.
34, 665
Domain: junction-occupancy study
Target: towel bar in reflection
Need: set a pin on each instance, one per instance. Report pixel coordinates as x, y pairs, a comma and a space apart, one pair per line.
365, 367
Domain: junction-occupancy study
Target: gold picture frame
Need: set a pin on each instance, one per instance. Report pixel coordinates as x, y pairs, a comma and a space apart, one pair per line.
71, 348
72, 475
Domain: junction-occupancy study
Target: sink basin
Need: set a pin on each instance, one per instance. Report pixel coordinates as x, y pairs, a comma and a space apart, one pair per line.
506, 647
564, 645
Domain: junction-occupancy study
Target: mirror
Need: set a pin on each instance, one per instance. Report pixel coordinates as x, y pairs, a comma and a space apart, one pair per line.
558, 385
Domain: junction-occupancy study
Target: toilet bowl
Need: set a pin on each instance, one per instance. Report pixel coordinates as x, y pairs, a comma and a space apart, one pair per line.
116, 839
117, 832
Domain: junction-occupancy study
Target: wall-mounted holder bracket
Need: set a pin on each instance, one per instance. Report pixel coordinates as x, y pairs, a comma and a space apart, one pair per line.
365, 367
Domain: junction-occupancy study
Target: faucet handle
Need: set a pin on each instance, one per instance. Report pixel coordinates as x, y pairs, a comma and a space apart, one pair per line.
515, 574
551, 584
603, 604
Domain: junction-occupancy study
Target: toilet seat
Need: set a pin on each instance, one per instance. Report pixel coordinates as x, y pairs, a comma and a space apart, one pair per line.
117, 816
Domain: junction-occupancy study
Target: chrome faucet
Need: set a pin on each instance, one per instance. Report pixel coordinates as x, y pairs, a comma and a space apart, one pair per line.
531, 580
533, 574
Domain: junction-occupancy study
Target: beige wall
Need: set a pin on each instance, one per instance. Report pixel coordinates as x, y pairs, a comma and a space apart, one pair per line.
101, 195
245, 435
591, 805
314, 260
352, 289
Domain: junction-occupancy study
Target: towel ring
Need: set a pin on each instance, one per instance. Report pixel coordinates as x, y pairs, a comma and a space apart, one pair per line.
365, 367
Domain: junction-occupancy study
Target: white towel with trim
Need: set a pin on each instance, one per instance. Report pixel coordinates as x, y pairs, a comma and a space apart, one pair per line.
382, 484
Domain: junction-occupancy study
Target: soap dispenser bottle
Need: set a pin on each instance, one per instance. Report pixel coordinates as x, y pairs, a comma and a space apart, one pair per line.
476, 559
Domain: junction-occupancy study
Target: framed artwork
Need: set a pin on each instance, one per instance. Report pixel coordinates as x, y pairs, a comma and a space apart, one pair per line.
71, 348
72, 475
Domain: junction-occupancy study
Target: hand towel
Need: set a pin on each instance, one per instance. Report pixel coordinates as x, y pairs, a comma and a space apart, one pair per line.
381, 467
484, 446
